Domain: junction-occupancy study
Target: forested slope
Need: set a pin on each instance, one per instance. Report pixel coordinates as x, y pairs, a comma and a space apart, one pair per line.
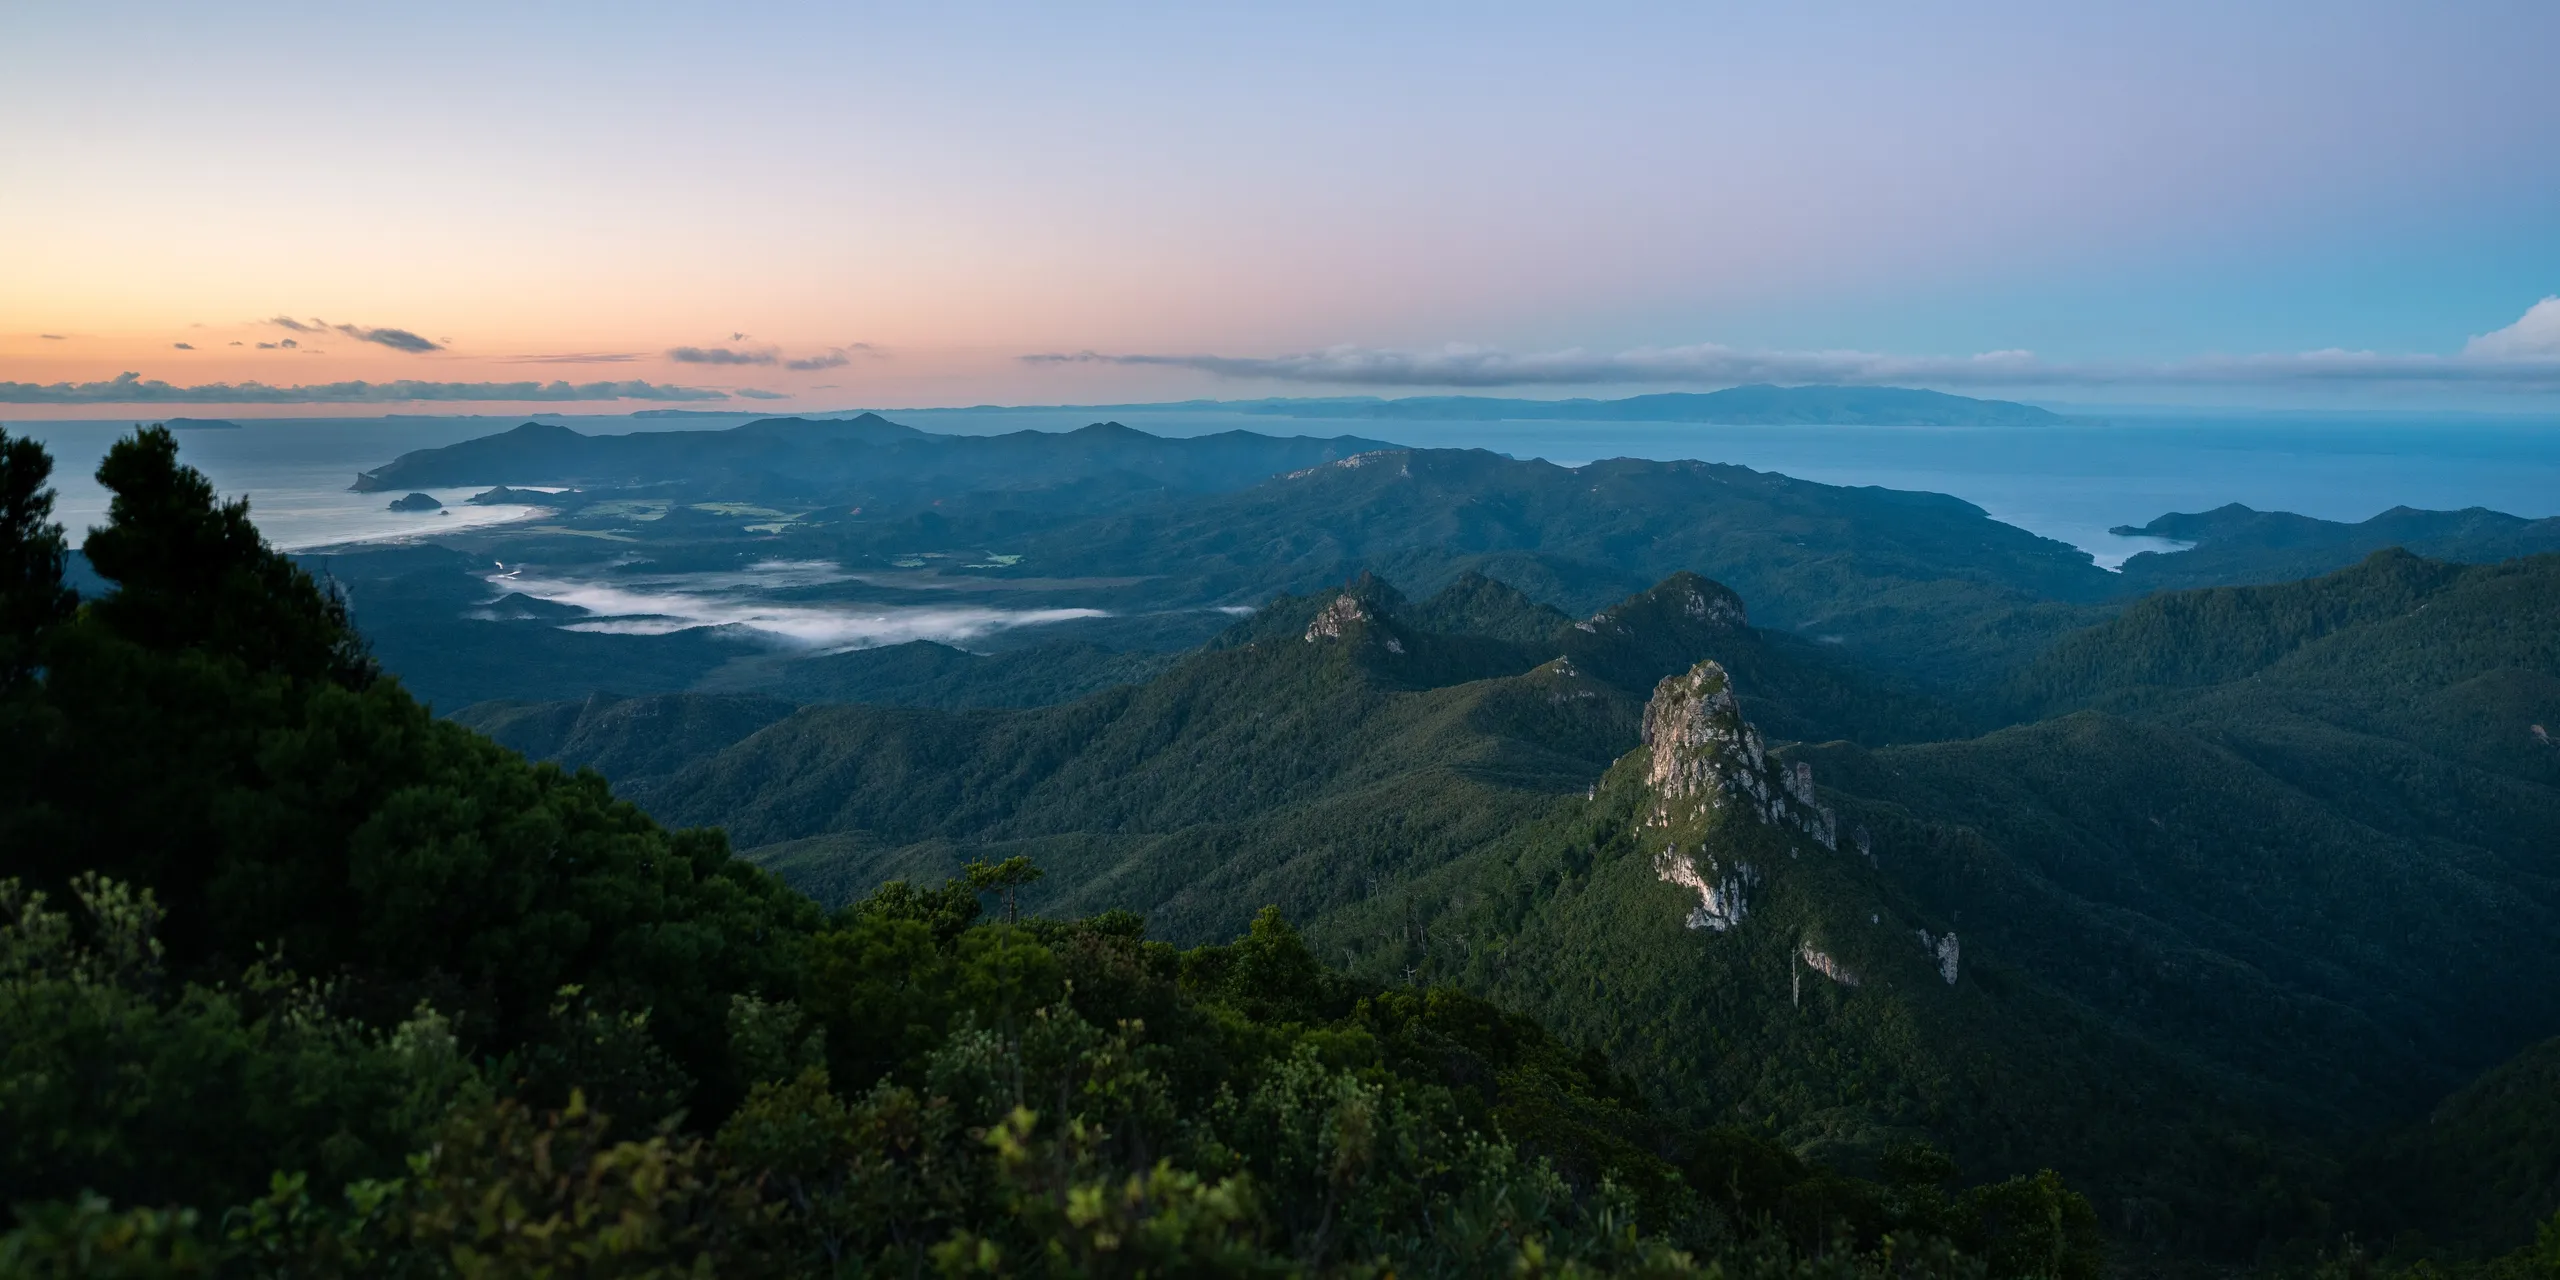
2234, 545
2220, 909
296, 980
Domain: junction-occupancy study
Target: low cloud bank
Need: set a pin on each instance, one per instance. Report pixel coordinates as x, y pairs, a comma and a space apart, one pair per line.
659, 606
2522, 356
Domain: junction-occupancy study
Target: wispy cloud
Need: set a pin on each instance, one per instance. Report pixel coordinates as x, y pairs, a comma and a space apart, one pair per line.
576, 357
396, 339
133, 388
722, 355
54, 337
757, 393
183, 346
831, 358
2524, 355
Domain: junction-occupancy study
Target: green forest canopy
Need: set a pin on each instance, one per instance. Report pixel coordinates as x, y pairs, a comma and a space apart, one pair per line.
296, 979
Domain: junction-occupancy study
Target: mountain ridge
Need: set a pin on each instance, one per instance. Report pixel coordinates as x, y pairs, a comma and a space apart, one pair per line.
836, 458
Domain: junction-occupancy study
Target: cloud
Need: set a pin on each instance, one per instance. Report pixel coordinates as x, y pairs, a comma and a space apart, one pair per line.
396, 339
235, 342
53, 337
577, 357
2534, 336
2522, 356
721, 355
133, 388
183, 346
831, 358
758, 393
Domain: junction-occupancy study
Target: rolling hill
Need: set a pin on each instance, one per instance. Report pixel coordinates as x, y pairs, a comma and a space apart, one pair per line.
2234, 545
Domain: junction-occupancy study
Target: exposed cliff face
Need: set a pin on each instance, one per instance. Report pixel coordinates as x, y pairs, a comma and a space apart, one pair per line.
1722, 903
1706, 768
1705, 755
1943, 949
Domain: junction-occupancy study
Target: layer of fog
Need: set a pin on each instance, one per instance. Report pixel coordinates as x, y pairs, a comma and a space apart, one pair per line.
746, 598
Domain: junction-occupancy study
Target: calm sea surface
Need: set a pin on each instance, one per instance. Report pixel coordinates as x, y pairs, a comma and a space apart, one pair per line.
2071, 482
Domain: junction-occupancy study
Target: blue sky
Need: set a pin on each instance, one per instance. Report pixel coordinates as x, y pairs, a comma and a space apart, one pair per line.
907, 201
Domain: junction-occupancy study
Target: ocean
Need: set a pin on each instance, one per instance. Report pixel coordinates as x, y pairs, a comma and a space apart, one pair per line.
2072, 482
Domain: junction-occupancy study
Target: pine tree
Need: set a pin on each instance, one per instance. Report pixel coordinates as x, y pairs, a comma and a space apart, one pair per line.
32, 550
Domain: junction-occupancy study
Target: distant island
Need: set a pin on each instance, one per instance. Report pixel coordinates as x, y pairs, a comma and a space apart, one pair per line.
417, 502
1755, 405
1751, 405
860, 461
200, 424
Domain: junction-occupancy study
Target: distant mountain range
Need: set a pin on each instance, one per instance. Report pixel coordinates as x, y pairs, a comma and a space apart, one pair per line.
1158, 532
1755, 404
868, 457
1759, 404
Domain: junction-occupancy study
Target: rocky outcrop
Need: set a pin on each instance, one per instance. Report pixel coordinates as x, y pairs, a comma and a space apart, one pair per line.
1682, 596
1335, 618
1704, 759
1704, 755
1822, 963
1699, 741
1943, 950
1703, 750
1722, 901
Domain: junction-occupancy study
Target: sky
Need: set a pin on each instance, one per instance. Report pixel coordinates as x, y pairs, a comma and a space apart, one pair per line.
604, 207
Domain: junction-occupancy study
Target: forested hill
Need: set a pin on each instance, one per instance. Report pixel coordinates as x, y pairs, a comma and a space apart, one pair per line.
1924, 584
1264, 737
844, 460
297, 980
2236, 545
1159, 533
